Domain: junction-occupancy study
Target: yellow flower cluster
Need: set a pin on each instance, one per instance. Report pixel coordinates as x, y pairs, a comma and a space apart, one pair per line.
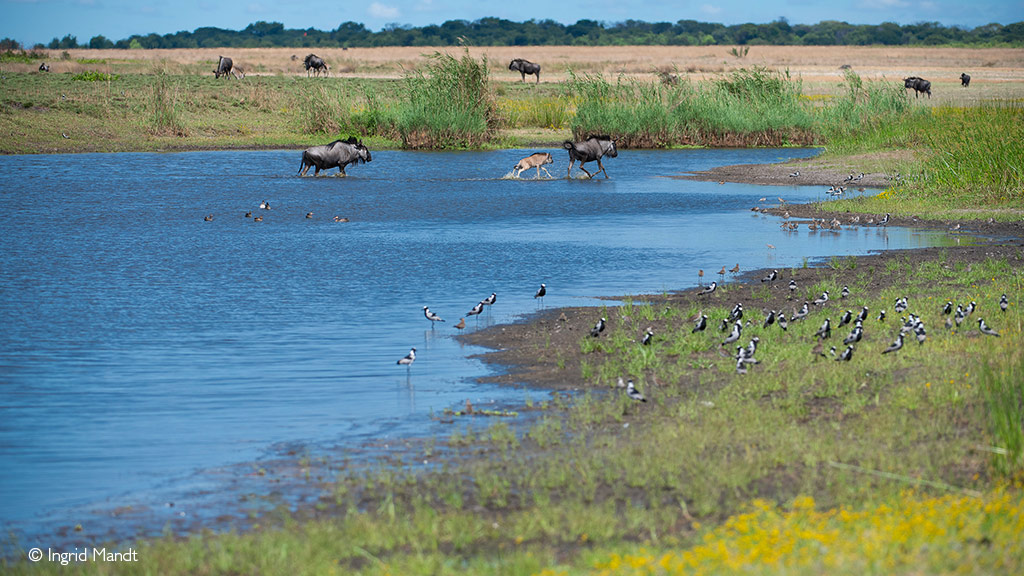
914, 534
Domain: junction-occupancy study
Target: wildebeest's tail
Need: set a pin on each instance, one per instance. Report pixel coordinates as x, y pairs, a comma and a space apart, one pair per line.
568, 145
303, 165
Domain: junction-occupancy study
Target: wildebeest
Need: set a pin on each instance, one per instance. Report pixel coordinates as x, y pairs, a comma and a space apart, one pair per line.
226, 66
593, 148
536, 160
44, 67
965, 80
339, 154
919, 85
525, 67
316, 64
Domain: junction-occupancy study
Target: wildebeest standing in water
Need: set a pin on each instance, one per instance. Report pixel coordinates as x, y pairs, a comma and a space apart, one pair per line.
337, 154
537, 160
225, 66
525, 67
316, 64
591, 149
44, 67
919, 85
965, 80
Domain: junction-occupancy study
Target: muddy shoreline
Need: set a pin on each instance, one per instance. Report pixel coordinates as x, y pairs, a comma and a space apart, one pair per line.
544, 349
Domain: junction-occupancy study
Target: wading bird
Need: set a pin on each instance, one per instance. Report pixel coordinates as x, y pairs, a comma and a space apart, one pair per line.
408, 359
633, 393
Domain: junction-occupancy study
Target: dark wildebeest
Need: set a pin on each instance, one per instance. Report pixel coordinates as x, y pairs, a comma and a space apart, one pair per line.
337, 154
919, 85
316, 64
44, 67
536, 160
593, 148
525, 67
965, 80
225, 66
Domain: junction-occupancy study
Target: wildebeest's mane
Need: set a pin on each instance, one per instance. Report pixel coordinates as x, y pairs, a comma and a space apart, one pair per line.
598, 137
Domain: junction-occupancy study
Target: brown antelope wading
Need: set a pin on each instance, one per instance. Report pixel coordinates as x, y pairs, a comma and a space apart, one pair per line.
536, 160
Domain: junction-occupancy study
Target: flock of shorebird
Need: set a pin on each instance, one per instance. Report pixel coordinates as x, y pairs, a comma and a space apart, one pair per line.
478, 309
265, 205
909, 326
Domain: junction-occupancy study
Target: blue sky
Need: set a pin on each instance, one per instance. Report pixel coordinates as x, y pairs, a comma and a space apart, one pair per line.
32, 21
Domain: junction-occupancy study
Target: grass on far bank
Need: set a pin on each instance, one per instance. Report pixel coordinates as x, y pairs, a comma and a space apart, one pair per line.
804, 465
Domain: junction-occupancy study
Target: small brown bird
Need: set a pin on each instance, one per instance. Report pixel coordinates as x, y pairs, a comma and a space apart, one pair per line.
340, 219
735, 268
700, 276
209, 218
258, 219
248, 214
461, 324
722, 271
309, 214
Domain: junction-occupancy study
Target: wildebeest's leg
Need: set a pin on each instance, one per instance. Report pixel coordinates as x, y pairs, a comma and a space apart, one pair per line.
545, 171
538, 77
568, 174
524, 75
601, 168
589, 175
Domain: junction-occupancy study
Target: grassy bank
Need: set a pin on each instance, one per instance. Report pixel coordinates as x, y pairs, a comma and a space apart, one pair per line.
805, 464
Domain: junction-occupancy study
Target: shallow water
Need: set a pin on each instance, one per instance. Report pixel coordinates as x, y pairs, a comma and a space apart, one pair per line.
142, 345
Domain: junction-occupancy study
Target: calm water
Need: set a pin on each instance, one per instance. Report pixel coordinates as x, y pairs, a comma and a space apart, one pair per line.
141, 345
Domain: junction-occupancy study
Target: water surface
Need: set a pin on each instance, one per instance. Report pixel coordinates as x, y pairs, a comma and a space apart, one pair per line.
142, 345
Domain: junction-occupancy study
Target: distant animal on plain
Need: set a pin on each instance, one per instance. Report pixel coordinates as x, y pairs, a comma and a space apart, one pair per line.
44, 67
337, 154
536, 160
525, 67
589, 150
315, 64
919, 85
225, 66
965, 80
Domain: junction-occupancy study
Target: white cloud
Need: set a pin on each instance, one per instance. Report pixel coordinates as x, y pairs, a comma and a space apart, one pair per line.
378, 10
710, 10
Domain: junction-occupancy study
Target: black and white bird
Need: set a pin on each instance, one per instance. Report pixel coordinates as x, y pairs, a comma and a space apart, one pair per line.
769, 319
1004, 303
737, 329
985, 329
633, 393
920, 334
863, 314
408, 359
648, 336
490, 299
895, 345
826, 329
541, 291
737, 312
794, 174
846, 319
821, 299
855, 335
885, 220
751, 349
724, 325
948, 307
792, 288
960, 315
264, 205
711, 288
845, 292
970, 309
702, 323
476, 309
881, 316
901, 305
431, 316
846, 355
804, 311
598, 328
782, 322
770, 278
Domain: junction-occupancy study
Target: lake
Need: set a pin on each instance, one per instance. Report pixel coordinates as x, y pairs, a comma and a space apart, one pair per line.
144, 347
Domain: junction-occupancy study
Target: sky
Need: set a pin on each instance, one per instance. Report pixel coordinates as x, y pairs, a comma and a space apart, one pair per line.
39, 21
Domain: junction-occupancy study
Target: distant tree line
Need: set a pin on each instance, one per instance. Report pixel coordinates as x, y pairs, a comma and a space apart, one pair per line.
499, 32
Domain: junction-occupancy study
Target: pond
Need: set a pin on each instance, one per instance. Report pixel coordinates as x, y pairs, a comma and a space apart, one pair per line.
143, 345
